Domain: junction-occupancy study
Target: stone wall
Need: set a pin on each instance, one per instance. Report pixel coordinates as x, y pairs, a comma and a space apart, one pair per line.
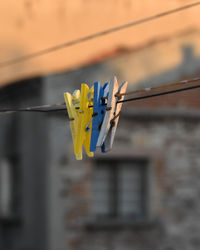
173, 146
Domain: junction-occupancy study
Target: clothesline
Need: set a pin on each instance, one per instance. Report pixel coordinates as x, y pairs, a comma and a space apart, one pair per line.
139, 94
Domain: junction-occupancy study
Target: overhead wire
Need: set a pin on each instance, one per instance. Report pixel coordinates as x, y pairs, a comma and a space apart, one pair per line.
140, 94
155, 88
160, 94
93, 36
161, 90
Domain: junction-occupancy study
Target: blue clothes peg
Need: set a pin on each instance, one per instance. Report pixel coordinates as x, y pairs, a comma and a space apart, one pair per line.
99, 107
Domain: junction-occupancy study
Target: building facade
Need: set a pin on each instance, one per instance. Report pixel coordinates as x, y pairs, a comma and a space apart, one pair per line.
141, 195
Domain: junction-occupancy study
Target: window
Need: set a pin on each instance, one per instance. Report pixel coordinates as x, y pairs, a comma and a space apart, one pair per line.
5, 189
120, 191
9, 189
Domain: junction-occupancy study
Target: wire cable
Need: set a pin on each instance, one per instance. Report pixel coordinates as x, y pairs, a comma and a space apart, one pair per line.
165, 86
139, 95
159, 94
93, 36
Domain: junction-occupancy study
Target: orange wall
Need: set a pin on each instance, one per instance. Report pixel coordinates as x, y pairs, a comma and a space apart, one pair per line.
31, 25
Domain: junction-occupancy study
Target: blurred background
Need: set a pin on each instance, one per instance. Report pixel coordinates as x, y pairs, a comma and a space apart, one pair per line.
144, 194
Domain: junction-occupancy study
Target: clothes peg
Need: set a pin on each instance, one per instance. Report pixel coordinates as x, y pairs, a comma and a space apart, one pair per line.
99, 106
72, 103
108, 142
111, 101
84, 125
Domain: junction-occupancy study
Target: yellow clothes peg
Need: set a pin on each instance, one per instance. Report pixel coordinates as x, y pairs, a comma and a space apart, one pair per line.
84, 125
73, 102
